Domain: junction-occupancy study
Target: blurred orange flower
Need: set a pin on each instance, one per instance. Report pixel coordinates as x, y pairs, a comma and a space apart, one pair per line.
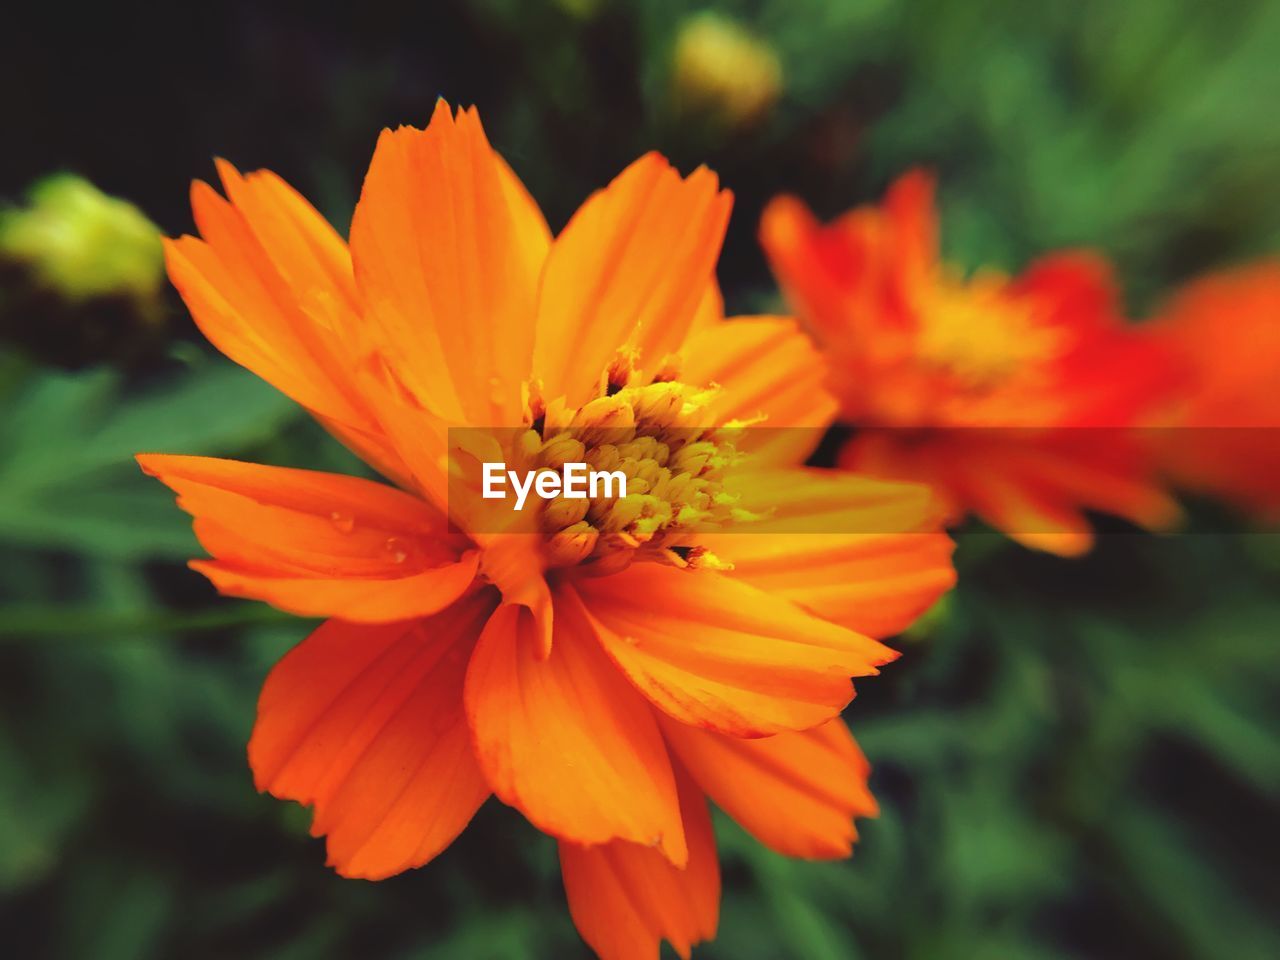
1012, 396
608, 668
1225, 331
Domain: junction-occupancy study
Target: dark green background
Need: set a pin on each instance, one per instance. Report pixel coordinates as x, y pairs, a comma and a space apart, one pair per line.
1076, 758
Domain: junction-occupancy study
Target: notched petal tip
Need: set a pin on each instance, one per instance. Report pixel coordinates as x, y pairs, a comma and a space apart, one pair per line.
796, 793
147, 463
204, 196
227, 173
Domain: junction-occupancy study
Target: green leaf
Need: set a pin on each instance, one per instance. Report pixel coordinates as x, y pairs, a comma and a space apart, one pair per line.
67, 476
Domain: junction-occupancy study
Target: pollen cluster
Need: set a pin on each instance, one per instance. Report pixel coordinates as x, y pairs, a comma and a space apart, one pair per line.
655, 433
978, 334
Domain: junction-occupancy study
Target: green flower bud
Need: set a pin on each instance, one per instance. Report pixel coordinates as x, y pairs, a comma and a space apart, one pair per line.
82, 243
721, 70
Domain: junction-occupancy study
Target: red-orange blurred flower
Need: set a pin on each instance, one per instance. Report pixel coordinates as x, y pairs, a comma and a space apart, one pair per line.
1222, 430
1012, 396
607, 671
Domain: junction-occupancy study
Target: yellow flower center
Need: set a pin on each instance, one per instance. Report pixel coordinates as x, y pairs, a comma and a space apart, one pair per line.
653, 431
979, 335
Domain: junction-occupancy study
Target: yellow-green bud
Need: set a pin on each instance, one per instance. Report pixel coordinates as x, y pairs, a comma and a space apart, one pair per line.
721, 69
82, 242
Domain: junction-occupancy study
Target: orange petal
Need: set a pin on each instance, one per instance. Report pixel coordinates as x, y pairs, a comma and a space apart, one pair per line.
515, 564
826, 271
631, 268
366, 724
853, 282
270, 285
912, 220
422, 436
533, 237
565, 739
513, 561
1222, 438
715, 652
797, 793
626, 898
1033, 487
1025, 512
1233, 363
306, 251
768, 371
978, 478
862, 553
318, 544
877, 584
1104, 470
448, 249
710, 309
1078, 289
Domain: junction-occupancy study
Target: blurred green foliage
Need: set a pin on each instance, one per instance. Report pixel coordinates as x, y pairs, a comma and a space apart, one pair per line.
1075, 759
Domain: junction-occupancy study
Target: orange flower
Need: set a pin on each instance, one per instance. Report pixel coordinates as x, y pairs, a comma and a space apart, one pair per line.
1011, 396
1225, 330
602, 667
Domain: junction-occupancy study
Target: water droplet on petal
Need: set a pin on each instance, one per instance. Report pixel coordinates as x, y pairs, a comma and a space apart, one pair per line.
397, 549
343, 521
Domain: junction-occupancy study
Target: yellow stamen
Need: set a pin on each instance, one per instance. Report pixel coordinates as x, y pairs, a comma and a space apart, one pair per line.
975, 332
655, 434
